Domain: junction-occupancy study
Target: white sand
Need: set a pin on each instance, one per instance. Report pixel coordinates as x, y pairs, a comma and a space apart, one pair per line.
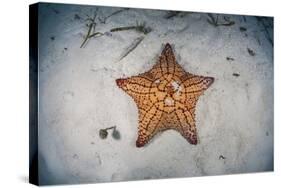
79, 96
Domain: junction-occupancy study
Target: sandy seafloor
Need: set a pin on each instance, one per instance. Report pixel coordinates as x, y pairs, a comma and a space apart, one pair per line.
78, 96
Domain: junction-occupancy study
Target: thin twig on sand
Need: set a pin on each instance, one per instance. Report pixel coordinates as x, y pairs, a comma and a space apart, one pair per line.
132, 46
112, 14
122, 28
88, 34
215, 21
91, 29
140, 27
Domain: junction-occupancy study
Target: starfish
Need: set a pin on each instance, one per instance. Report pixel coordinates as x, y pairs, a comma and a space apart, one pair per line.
166, 97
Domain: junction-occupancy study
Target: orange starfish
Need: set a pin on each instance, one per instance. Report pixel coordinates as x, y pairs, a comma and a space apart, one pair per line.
166, 97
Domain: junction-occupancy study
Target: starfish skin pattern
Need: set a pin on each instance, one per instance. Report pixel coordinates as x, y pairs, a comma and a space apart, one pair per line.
166, 97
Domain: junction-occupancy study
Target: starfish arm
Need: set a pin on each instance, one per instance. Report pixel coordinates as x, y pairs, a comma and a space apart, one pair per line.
196, 85
194, 88
149, 125
167, 59
186, 125
135, 86
167, 64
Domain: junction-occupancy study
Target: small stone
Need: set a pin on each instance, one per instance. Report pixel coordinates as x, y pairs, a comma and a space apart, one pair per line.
236, 74
251, 52
116, 134
242, 29
103, 134
108, 34
229, 59
77, 17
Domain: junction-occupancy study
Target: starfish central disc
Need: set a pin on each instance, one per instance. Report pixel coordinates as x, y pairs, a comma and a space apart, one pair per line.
166, 97
166, 93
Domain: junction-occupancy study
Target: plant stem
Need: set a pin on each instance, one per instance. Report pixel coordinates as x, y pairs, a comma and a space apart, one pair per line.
113, 127
88, 34
134, 44
95, 34
123, 28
